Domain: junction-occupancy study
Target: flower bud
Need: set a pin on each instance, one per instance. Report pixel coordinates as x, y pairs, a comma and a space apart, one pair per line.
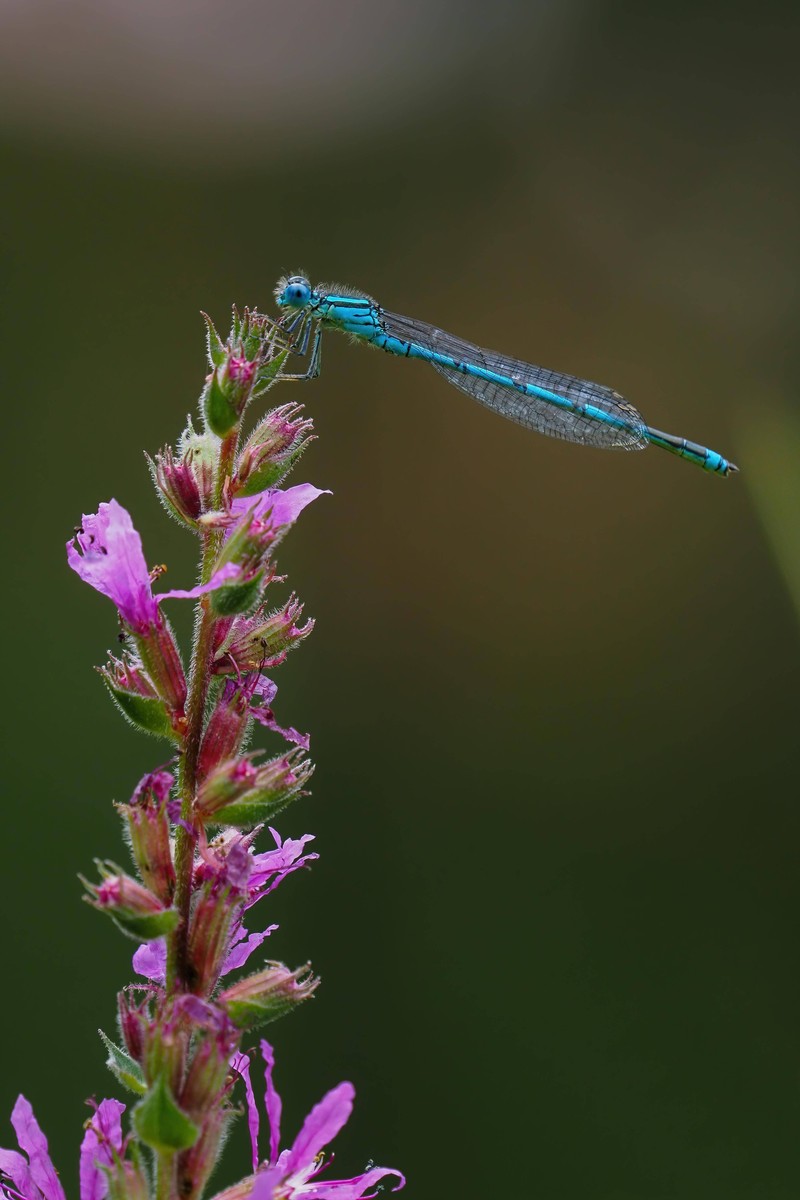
232, 383
267, 995
194, 1166
226, 727
133, 908
238, 792
133, 1018
207, 1076
243, 367
186, 481
148, 832
161, 657
212, 918
165, 1043
127, 1181
272, 450
262, 640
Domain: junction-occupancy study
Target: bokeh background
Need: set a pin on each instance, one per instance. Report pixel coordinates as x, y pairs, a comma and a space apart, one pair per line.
552, 691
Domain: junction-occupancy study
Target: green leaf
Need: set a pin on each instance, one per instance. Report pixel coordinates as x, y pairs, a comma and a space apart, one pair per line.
148, 713
251, 343
161, 1124
220, 414
269, 372
126, 1069
216, 346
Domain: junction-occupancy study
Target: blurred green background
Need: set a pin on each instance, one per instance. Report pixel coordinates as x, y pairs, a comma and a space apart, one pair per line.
551, 690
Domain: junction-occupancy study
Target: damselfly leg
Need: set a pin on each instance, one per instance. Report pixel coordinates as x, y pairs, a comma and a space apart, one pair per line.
299, 345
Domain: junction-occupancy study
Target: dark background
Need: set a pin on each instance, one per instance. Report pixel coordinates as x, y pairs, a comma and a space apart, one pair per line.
551, 690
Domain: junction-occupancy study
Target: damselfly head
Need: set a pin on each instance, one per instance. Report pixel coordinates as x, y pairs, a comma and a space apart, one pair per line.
294, 292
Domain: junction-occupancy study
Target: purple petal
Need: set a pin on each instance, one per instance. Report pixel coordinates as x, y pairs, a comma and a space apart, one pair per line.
321, 1126
266, 717
201, 1012
272, 1101
265, 1184
264, 687
241, 1064
103, 1137
33, 1142
159, 782
15, 1166
224, 575
245, 945
109, 557
288, 857
284, 507
352, 1189
150, 960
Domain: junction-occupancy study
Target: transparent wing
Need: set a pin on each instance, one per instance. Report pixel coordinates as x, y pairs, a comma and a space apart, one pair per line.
533, 412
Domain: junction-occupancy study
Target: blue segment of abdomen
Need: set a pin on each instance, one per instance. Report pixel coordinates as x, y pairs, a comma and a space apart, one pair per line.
404, 349
548, 402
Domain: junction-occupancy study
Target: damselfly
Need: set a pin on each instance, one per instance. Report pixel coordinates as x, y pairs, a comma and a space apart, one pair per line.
548, 402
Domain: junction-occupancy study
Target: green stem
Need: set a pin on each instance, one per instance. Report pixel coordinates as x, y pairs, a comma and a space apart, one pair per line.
199, 679
164, 1174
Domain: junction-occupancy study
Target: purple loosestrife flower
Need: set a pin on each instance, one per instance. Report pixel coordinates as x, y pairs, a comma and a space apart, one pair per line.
253, 528
181, 1031
278, 506
109, 557
265, 691
292, 1173
31, 1174
255, 524
258, 876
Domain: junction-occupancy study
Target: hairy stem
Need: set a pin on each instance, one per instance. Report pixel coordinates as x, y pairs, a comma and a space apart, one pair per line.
164, 1175
199, 679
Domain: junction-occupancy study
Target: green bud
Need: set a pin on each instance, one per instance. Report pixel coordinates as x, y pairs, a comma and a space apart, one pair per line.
270, 994
220, 414
271, 450
242, 793
132, 907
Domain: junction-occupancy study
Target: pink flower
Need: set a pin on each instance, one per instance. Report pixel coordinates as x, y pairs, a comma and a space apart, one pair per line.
279, 506
109, 556
32, 1176
293, 1172
264, 691
260, 875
